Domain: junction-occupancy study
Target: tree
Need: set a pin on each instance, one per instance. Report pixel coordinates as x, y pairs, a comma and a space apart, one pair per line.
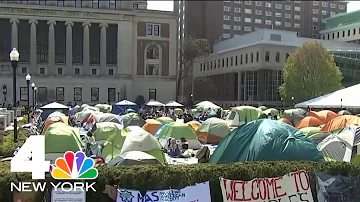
190, 49
309, 72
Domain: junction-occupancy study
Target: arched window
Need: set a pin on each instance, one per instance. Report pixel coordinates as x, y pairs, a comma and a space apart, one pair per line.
152, 60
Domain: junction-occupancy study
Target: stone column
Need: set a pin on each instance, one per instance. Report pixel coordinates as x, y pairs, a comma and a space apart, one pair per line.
86, 48
103, 27
33, 60
69, 48
14, 33
51, 50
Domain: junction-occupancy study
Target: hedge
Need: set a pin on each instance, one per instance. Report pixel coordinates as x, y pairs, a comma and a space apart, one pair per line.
157, 177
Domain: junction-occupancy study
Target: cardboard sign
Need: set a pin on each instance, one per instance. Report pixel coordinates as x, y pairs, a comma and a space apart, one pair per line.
293, 187
73, 196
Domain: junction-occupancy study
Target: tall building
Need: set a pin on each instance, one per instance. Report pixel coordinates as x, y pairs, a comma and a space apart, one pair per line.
219, 20
88, 51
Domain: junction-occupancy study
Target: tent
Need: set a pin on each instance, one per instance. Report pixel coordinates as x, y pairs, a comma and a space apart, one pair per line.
340, 145
122, 106
265, 140
344, 98
60, 138
294, 115
173, 104
151, 126
105, 108
341, 122
54, 119
324, 115
310, 130
213, 130
271, 111
194, 125
83, 116
263, 108
133, 158
285, 120
154, 103
309, 121
178, 130
132, 119
243, 114
107, 117
52, 107
207, 104
165, 119
104, 131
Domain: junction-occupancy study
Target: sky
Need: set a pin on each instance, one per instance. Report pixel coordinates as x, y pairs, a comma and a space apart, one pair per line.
168, 5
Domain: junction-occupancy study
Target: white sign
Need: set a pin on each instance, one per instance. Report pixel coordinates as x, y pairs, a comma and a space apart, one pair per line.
293, 187
197, 193
66, 196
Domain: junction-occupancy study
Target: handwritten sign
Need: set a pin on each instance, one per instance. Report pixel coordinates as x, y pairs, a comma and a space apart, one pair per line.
293, 187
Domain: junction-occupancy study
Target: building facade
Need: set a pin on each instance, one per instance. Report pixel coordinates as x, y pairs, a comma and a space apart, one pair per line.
89, 54
343, 27
247, 69
218, 20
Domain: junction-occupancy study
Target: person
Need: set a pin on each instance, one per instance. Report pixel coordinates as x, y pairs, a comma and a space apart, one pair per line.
184, 144
174, 149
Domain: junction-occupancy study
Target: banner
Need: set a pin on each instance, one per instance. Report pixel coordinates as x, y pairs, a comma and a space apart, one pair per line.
337, 188
293, 187
197, 193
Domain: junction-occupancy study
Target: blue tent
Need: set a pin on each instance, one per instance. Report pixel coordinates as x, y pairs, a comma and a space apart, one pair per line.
53, 107
121, 107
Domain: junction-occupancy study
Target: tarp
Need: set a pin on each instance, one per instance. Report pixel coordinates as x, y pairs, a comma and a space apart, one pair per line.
121, 107
344, 98
265, 140
52, 107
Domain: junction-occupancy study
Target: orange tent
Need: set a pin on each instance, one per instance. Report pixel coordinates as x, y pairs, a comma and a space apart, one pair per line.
194, 125
285, 120
151, 126
54, 119
341, 122
309, 121
324, 115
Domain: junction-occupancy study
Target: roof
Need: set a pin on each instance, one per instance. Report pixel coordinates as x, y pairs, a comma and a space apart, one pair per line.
343, 19
278, 37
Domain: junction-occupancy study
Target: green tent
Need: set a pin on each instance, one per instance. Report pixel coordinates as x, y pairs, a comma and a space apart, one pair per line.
113, 145
310, 130
263, 108
265, 140
105, 108
271, 111
165, 119
243, 114
178, 130
104, 130
132, 119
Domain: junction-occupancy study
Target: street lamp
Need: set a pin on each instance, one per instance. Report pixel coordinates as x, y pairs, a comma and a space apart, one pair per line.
292, 98
14, 58
4, 87
33, 97
281, 103
28, 78
118, 96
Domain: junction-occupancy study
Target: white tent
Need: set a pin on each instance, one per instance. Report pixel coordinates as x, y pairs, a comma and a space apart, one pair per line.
54, 105
154, 103
208, 104
125, 103
344, 98
173, 104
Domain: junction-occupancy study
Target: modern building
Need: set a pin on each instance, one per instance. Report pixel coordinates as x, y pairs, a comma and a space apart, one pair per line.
247, 69
343, 27
218, 20
88, 51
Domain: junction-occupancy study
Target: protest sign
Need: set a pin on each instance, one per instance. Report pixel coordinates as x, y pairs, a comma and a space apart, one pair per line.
197, 193
62, 196
293, 187
337, 188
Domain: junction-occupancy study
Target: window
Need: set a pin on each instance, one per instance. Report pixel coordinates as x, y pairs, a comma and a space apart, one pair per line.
315, 11
152, 60
226, 26
324, 12
237, 10
248, 20
237, 2
252, 57
314, 27
286, 56
237, 27
341, 6
226, 8
332, 13
223, 62
42, 71
157, 30
288, 16
111, 94
247, 29
257, 56
77, 71
267, 56
248, 3
23, 70
149, 29
315, 19
60, 2
258, 3
287, 24
227, 62
277, 23
226, 17
111, 72
236, 60
225, 35
152, 94
231, 61
23, 93
112, 4
258, 12
297, 17
78, 3
278, 15
287, 7
60, 94
77, 94
246, 58
324, 4
268, 22
268, 5
248, 11
268, 13
42, 94
323, 20
94, 94
315, 3
95, 3
93, 71
59, 71
241, 59
338, 34
297, 8
258, 21
277, 57
348, 32
153, 30
333, 5
296, 25
135, 6
237, 19
278, 6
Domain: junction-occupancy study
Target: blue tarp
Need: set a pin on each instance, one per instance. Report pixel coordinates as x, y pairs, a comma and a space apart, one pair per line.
121, 107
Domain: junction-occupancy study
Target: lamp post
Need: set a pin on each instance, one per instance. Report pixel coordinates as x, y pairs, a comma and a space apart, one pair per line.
281, 103
28, 78
118, 94
14, 58
33, 95
4, 87
341, 103
292, 98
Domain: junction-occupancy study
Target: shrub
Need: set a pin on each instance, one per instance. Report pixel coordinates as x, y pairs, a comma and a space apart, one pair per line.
157, 177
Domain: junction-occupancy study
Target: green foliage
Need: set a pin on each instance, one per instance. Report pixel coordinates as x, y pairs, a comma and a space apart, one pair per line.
140, 100
8, 146
157, 177
310, 72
